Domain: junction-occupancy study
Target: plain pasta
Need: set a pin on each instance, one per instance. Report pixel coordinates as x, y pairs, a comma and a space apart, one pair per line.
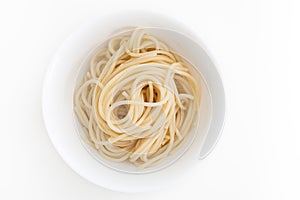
138, 100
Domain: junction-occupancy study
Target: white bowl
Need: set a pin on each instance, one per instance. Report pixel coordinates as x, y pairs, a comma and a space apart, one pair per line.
58, 95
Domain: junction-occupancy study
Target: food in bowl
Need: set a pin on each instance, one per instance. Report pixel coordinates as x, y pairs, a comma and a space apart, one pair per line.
138, 100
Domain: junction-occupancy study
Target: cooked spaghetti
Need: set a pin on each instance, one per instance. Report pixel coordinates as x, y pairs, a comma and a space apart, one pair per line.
138, 100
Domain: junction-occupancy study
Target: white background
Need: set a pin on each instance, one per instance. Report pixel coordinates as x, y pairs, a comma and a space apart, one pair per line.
257, 47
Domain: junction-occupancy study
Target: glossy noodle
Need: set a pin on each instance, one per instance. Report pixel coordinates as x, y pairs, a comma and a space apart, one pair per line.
138, 100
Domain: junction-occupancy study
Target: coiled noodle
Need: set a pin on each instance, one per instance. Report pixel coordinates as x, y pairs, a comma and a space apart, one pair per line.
137, 101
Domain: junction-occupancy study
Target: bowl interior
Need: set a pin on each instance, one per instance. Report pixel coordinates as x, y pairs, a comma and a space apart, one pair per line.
188, 49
